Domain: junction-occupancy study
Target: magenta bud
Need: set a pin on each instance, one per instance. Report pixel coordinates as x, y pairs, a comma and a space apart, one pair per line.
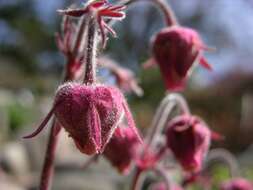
188, 138
90, 114
237, 184
122, 149
175, 49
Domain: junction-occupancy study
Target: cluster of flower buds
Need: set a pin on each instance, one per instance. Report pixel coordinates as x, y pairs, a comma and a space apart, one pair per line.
90, 112
97, 117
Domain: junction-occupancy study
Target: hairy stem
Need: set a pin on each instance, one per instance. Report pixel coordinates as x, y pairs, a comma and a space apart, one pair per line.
91, 48
48, 166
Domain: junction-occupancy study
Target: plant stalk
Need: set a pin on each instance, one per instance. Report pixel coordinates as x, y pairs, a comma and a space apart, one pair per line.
91, 48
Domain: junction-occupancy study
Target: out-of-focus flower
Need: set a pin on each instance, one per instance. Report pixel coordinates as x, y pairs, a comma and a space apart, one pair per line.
65, 41
102, 9
122, 149
188, 138
237, 184
90, 114
125, 78
162, 186
175, 49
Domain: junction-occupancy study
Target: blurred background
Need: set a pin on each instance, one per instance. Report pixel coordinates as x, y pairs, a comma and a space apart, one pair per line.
31, 69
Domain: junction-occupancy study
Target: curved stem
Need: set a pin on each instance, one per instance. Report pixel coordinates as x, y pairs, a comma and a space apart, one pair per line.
226, 157
162, 113
167, 11
169, 14
137, 182
90, 56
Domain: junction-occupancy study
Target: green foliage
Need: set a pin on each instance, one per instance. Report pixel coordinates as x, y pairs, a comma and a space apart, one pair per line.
19, 116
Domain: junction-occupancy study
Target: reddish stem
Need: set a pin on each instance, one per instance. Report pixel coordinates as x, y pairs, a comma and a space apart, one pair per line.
169, 15
48, 166
136, 177
167, 11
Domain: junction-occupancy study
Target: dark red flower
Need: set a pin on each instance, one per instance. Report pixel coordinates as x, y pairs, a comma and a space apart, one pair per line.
175, 49
102, 9
188, 138
90, 114
122, 149
237, 184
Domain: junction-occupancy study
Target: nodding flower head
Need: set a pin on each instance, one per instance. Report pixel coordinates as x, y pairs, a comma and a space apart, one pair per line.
162, 186
122, 149
175, 49
90, 114
125, 78
188, 138
102, 9
237, 184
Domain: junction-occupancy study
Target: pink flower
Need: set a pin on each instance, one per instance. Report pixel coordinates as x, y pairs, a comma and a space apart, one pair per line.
103, 10
188, 137
237, 184
175, 49
162, 186
90, 114
122, 149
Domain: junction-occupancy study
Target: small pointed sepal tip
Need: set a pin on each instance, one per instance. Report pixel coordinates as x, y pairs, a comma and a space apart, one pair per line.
42, 125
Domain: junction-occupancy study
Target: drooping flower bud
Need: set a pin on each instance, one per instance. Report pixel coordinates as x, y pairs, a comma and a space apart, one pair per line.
90, 114
175, 49
122, 149
125, 78
162, 186
237, 184
188, 137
